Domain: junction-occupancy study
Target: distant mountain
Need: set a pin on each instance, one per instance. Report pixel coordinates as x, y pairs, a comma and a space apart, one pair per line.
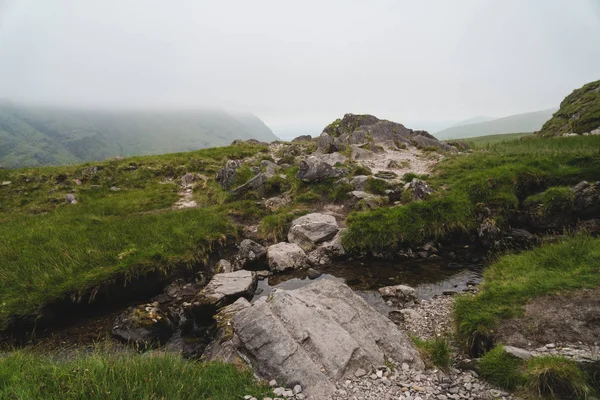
34, 136
474, 120
579, 112
528, 122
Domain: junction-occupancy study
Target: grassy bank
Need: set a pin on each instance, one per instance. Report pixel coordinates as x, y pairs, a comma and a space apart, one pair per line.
500, 178
513, 280
51, 250
130, 376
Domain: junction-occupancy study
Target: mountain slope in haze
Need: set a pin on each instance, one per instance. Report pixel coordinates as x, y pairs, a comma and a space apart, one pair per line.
35, 136
474, 120
527, 122
579, 112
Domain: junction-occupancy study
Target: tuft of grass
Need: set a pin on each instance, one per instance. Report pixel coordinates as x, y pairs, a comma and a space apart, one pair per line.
435, 351
553, 200
339, 192
157, 375
376, 186
275, 226
501, 369
555, 377
361, 170
513, 280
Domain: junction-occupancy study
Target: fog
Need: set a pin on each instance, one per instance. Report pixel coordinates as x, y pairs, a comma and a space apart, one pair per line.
299, 65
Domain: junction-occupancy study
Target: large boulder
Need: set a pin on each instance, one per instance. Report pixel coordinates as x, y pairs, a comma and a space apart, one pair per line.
226, 175
283, 256
249, 254
313, 170
314, 336
311, 229
226, 288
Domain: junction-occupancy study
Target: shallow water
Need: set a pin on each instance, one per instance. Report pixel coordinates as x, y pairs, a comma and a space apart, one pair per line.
428, 277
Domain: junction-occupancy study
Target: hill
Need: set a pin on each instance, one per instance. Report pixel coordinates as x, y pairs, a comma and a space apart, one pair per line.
579, 112
527, 122
37, 136
474, 120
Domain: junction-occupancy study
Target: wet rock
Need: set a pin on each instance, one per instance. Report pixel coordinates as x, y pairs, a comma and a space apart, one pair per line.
70, 199
317, 335
226, 175
302, 138
313, 273
401, 293
145, 325
224, 289
223, 266
283, 256
250, 254
420, 190
256, 183
311, 229
314, 170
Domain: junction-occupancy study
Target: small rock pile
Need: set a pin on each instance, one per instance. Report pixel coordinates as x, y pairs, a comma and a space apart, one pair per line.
403, 383
284, 393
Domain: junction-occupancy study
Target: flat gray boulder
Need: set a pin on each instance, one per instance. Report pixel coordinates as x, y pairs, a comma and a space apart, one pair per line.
283, 256
315, 336
224, 289
313, 170
312, 229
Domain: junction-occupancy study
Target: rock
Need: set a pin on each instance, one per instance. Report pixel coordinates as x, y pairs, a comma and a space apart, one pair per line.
302, 138
402, 293
256, 183
297, 389
317, 335
313, 273
5, 183
420, 190
325, 143
223, 266
275, 203
393, 164
224, 289
77, 182
586, 197
423, 141
269, 167
386, 175
283, 256
250, 254
360, 372
115, 189
314, 170
226, 175
188, 179
311, 229
518, 353
359, 182
521, 234
145, 325
70, 199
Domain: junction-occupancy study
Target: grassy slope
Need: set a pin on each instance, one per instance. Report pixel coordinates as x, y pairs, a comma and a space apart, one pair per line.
579, 112
50, 250
501, 178
480, 142
515, 279
33, 136
130, 376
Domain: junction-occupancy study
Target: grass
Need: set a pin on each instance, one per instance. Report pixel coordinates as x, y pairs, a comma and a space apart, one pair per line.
501, 369
556, 377
435, 351
484, 142
52, 251
26, 375
500, 178
513, 280
275, 226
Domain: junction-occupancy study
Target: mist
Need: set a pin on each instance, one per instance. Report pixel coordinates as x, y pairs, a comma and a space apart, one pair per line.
300, 65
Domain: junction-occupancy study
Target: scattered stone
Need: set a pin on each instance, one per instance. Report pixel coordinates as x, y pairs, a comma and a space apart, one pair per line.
401, 293
226, 175
114, 189
313, 273
283, 256
70, 198
419, 189
224, 289
311, 229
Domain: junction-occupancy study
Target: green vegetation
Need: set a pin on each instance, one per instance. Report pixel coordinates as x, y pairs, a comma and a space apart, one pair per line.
435, 351
490, 140
556, 377
501, 369
35, 136
553, 200
376, 186
579, 112
26, 375
513, 280
53, 251
500, 178
275, 226
361, 170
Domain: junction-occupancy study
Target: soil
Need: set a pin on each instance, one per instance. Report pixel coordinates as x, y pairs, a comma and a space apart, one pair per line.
566, 318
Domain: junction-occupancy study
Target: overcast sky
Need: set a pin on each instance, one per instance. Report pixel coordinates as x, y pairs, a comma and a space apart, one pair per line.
302, 63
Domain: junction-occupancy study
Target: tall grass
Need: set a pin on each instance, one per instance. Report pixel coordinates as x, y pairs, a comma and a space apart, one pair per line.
120, 377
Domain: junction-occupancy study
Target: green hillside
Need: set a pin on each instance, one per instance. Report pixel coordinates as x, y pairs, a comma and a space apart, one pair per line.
528, 122
37, 136
579, 112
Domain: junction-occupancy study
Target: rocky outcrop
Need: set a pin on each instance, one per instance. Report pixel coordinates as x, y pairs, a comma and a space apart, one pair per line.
418, 189
302, 138
145, 325
224, 289
250, 254
283, 256
314, 336
424, 141
313, 170
311, 229
257, 183
226, 175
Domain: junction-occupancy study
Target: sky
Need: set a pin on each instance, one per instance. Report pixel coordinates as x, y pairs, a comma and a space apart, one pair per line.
299, 65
